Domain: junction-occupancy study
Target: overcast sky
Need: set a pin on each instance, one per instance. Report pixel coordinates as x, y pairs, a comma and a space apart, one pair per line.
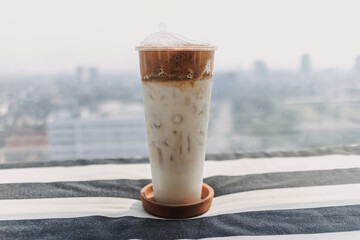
42, 36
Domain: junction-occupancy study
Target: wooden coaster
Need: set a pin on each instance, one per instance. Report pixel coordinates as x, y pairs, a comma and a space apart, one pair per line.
176, 210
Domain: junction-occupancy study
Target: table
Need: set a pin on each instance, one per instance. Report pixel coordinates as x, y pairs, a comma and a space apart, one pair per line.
311, 194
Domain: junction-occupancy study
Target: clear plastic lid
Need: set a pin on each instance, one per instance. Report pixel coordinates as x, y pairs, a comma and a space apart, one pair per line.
170, 41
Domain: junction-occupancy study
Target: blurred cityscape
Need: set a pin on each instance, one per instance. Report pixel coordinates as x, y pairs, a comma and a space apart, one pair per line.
90, 114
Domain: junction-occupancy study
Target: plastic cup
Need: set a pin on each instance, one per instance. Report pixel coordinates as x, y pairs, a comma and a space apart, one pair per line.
176, 84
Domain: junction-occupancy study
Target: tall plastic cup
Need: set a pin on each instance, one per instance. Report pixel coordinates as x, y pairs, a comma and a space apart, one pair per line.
176, 83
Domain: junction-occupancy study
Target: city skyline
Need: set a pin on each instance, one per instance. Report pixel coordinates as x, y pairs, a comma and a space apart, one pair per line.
62, 116
92, 72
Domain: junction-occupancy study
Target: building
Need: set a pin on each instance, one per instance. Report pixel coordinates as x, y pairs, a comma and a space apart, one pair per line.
80, 74
83, 74
357, 66
305, 66
25, 147
100, 135
93, 74
260, 70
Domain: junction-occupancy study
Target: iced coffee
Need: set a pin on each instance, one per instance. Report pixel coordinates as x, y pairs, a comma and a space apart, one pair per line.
176, 81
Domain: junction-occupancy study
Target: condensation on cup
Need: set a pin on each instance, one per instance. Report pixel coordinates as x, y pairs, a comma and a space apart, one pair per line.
176, 79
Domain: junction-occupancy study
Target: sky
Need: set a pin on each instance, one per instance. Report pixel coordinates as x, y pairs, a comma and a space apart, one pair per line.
42, 36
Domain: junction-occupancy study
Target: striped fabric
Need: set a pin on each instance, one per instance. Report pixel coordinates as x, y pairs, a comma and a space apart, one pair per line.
256, 198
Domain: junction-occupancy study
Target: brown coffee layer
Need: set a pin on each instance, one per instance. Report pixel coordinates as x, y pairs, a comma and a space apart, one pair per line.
176, 65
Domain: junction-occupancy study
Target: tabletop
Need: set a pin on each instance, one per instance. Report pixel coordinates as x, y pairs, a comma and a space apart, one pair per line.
311, 194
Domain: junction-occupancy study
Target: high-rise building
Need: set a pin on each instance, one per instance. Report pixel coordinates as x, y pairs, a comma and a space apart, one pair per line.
305, 65
84, 74
93, 74
260, 70
357, 65
81, 75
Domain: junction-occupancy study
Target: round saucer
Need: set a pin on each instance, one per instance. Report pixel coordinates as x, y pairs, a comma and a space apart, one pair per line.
176, 210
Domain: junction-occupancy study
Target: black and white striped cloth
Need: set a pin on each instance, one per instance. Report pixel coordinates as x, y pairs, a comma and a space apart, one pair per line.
298, 195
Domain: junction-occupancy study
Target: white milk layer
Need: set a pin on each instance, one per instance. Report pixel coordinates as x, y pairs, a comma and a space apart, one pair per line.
177, 116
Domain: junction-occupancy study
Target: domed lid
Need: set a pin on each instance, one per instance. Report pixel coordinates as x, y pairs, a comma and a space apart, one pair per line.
171, 41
